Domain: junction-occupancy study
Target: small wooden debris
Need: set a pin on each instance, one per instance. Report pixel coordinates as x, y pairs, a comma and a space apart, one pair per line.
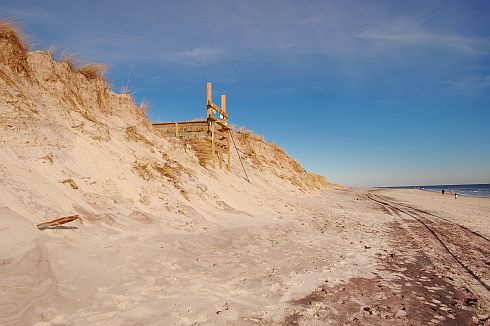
57, 222
70, 182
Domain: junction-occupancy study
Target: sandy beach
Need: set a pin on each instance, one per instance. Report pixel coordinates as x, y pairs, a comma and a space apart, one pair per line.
336, 257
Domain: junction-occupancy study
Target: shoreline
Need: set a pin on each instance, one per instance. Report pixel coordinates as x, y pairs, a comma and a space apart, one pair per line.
459, 194
434, 191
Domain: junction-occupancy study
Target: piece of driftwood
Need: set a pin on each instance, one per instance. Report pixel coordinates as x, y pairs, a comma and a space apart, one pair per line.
57, 222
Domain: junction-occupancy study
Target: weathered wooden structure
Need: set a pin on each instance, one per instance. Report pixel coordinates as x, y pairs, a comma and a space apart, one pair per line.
214, 131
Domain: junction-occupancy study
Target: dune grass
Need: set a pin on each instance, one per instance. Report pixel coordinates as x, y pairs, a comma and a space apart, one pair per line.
93, 70
10, 32
132, 134
51, 51
70, 58
14, 47
144, 106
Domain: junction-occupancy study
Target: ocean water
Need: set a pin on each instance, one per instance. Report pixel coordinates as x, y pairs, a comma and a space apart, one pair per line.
479, 190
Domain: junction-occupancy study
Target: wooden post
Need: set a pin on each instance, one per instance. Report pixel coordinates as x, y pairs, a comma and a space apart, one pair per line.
176, 129
223, 105
209, 98
222, 157
212, 145
229, 149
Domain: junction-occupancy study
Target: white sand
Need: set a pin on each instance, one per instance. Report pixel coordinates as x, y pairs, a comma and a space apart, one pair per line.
240, 267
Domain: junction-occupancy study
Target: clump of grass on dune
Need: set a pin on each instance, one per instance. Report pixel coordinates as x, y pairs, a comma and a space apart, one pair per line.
13, 47
51, 51
11, 32
132, 134
93, 70
70, 58
245, 135
144, 106
170, 170
125, 90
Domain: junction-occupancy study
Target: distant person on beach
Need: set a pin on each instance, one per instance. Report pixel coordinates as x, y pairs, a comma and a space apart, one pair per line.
455, 195
443, 192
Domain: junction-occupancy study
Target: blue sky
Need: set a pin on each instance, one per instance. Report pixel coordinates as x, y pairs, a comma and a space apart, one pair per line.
366, 93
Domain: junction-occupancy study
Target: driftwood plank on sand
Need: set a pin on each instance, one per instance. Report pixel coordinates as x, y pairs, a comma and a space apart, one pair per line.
57, 222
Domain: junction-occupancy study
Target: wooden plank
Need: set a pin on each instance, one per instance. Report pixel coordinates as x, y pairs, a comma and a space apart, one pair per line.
221, 124
194, 134
212, 146
217, 109
209, 98
57, 222
166, 130
223, 104
229, 150
193, 128
182, 130
209, 92
196, 122
220, 158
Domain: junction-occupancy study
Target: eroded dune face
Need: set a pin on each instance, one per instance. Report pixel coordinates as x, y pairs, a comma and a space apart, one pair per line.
71, 145
66, 136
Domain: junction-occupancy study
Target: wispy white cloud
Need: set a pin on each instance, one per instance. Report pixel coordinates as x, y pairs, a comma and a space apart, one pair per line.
24, 14
406, 31
477, 83
198, 56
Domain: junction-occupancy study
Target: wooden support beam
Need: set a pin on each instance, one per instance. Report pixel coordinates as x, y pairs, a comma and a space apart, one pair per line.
194, 134
209, 94
212, 146
223, 106
209, 98
221, 124
229, 149
217, 109
220, 158
193, 122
